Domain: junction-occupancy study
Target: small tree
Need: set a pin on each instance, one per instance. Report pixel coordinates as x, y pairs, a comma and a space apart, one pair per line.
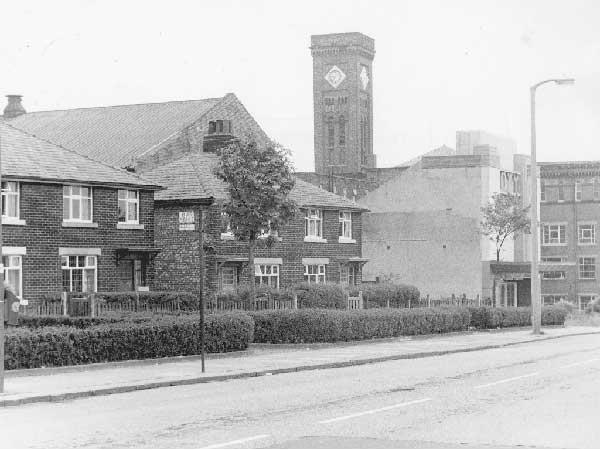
259, 181
504, 216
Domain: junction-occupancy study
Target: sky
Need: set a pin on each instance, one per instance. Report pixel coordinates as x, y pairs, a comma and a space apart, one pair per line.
440, 66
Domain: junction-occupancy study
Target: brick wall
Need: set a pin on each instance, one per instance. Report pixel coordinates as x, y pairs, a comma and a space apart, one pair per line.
42, 209
177, 265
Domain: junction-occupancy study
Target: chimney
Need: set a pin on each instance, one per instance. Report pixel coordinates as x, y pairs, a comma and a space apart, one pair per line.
14, 108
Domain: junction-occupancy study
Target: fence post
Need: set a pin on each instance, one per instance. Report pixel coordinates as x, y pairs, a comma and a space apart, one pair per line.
92, 305
295, 301
478, 300
65, 303
409, 302
428, 301
360, 300
387, 302
137, 301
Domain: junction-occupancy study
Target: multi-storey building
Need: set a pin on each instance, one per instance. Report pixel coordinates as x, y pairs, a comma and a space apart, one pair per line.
71, 223
569, 218
322, 244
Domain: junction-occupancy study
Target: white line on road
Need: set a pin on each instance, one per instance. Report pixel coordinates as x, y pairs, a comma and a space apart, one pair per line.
580, 363
373, 411
238, 441
507, 380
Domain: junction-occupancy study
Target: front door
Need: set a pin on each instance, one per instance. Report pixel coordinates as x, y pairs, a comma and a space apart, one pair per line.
508, 293
131, 274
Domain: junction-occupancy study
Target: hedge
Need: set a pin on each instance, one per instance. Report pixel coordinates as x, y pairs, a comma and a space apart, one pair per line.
242, 294
388, 294
324, 325
185, 300
321, 295
490, 317
155, 338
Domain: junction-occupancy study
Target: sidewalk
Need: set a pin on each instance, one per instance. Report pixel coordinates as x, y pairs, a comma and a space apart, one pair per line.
56, 384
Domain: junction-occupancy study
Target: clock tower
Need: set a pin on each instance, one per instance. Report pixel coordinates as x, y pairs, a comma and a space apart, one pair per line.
343, 102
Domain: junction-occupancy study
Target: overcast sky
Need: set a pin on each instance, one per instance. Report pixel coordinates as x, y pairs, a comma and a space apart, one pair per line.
439, 66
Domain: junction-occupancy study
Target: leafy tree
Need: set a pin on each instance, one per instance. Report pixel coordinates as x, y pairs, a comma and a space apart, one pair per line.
504, 216
259, 181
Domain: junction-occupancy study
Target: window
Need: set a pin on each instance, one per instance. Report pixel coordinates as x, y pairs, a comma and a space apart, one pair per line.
554, 234
348, 274
577, 191
313, 223
77, 203
551, 299
330, 133
79, 273
587, 268
128, 206
542, 191
226, 232
596, 189
346, 224
219, 127
314, 273
13, 273
553, 259
329, 104
267, 275
229, 278
10, 199
586, 233
342, 134
554, 275
561, 191
187, 221
586, 299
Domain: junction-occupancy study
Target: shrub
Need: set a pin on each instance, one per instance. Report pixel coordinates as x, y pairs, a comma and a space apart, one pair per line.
490, 317
389, 294
183, 300
566, 305
325, 325
321, 295
155, 338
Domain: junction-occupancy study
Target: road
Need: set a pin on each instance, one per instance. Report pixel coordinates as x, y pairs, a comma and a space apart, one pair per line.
535, 395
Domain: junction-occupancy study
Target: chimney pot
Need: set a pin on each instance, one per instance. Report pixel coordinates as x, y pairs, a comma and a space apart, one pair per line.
14, 108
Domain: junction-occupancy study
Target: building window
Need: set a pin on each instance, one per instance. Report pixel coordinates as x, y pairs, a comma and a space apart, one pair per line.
229, 278
554, 234
77, 203
346, 224
10, 199
596, 189
554, 275
314, 273
586, 299
553, 259
266, 275
329, 104
587, 268
187, 221
551, 299
13, 273
330, 133
586, 233
561, 191
128, 206
219, 127
348, 274
79, 273
313, 223
226, 232
542, 191
266, 232
578, 191
342, 134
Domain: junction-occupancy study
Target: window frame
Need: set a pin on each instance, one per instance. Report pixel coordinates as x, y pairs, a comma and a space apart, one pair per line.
260, 274
5, 193
578, 191
316, 219
317, 276
585, 294
563, 235
345, 221
580, 225
79, 197
8, 267
581, 264
561, 192
542, 191
556, 298
128, 202
348, 274
562, 276
235, 274
83, 268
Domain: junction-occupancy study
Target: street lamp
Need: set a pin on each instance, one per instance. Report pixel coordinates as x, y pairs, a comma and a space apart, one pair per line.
536, 299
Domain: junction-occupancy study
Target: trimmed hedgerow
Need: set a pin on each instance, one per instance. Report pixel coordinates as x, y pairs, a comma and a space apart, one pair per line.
325, 325
185, 300
389, 294
321, 295
155, 338
489, 317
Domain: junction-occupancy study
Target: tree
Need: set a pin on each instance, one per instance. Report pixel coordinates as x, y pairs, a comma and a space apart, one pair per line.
504, 216
259, 181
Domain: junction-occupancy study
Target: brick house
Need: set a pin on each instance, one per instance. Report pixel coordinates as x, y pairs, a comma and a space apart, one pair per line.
71, 223
322, 244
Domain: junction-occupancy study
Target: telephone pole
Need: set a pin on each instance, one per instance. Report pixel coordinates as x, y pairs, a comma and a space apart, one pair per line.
2, 337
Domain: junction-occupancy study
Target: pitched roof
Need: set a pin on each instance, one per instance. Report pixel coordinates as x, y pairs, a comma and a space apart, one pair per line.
191, 178
114, 134
27, 157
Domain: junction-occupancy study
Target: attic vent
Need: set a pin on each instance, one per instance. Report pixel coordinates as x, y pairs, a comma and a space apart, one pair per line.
219, 127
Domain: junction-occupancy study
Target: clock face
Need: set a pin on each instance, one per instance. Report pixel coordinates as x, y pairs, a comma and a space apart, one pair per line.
335, 76
364, 77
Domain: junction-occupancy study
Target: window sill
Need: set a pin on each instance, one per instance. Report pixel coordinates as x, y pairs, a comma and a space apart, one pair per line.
554, 245
130, 226
227, 237
13, 221
345, 240
67, 224
315, 239
586, 244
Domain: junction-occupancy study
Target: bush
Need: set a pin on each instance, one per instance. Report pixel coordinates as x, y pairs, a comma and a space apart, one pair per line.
154, 338
52, 321
568, 306
321, 295
184, 300
325, 325
490, 317
389, 294
242, 295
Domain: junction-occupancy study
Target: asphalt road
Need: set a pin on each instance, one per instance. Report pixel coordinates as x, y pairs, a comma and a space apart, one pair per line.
535, 395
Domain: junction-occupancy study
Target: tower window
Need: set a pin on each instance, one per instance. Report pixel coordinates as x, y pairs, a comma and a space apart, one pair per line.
329, 104
330, 133
342, 133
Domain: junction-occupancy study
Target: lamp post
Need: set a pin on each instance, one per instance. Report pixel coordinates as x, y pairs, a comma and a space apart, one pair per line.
536, 299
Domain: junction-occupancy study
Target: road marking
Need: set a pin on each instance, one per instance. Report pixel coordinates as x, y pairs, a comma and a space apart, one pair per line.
238, 441
373, 411
507, 380
580, 363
